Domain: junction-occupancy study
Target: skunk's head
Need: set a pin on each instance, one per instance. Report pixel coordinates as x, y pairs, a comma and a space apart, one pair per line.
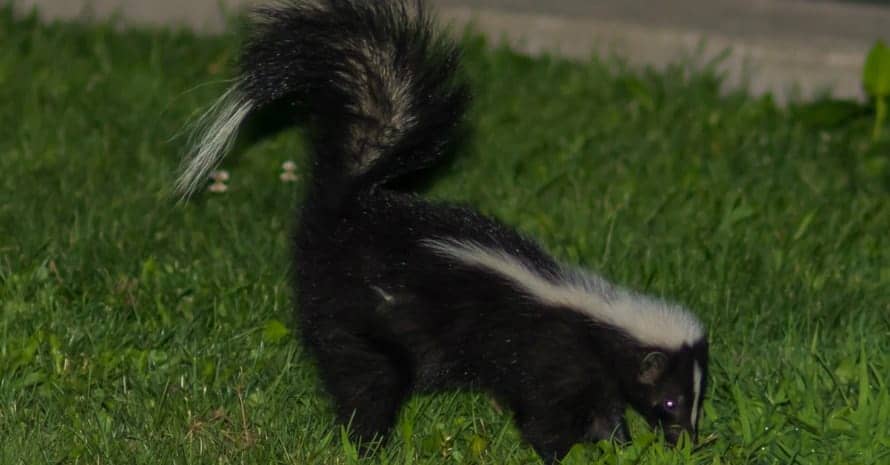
660, 349
669, 388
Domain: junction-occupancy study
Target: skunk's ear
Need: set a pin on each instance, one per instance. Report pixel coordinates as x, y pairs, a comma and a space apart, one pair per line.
652, 366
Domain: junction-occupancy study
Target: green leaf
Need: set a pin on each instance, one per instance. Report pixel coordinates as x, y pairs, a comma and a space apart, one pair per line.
349, 449
478, 444
876, 73
149, 271
274, 331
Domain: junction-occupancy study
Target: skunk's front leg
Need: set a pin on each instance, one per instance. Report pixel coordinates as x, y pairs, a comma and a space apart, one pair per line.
551, 431
610, 424
367, 380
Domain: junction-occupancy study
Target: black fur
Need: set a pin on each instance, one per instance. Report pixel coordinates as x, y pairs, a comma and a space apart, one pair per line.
384, 314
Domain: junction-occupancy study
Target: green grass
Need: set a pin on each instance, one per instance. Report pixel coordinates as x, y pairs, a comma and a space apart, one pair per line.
137, 330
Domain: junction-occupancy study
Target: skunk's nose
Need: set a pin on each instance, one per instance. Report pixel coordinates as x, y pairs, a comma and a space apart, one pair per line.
672, 434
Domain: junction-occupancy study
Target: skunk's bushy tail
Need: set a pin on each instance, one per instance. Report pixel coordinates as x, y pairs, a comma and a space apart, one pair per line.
375, 78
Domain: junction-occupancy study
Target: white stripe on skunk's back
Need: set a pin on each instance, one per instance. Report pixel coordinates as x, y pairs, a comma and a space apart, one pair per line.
648, 320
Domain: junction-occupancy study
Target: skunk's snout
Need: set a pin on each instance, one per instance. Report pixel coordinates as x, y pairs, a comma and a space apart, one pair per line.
672, 434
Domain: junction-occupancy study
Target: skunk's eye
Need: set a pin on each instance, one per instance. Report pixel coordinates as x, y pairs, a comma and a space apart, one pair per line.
669, 405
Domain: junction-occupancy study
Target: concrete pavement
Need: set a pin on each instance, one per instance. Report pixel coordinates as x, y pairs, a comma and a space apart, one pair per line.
777, 45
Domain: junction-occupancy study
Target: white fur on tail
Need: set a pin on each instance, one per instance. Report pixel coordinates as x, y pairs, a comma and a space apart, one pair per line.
213, 135
648, 320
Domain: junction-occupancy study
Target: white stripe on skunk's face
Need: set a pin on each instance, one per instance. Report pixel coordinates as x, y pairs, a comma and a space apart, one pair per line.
696, 394
652, 322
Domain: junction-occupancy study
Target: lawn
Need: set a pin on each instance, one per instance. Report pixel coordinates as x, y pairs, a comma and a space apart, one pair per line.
138, 329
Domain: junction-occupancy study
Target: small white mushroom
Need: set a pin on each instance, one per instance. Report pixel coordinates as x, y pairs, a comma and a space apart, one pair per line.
218, 187
219, 178
219, 175
288, 174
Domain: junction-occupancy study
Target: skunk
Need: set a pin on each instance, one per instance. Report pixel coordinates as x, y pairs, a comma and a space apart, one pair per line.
397, 295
